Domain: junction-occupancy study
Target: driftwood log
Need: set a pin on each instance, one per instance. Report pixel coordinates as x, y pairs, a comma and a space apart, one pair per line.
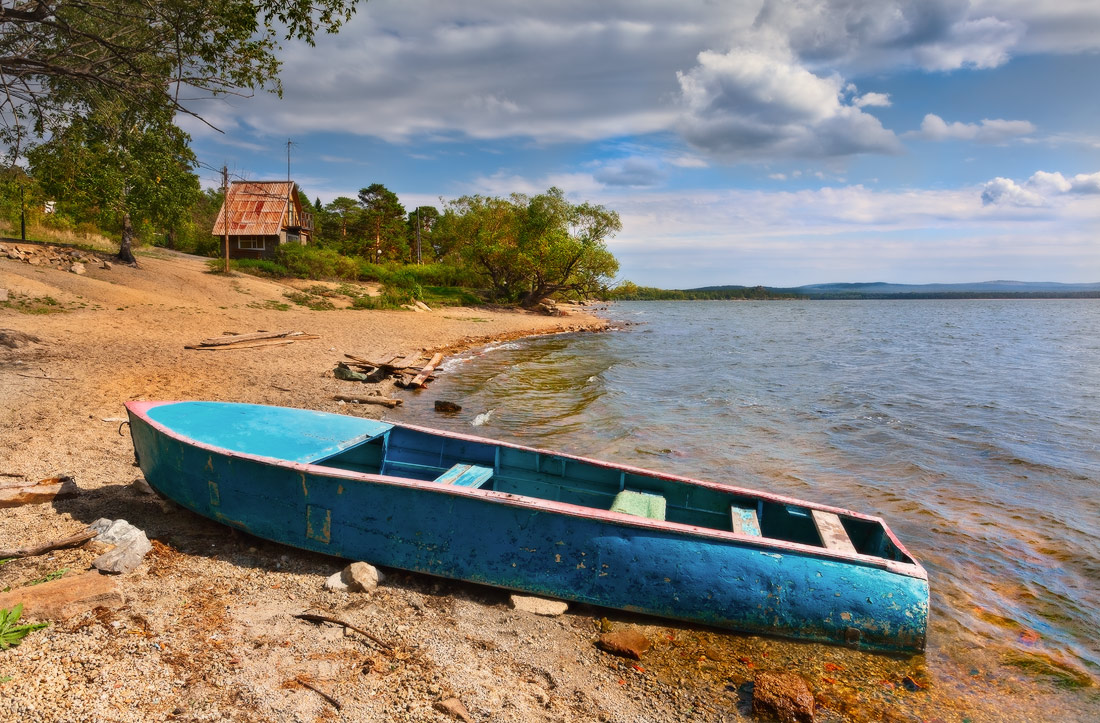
247, 341
366, 399
71, 541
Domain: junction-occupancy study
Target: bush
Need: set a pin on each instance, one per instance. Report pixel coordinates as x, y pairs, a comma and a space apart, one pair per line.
310, 262
259, 267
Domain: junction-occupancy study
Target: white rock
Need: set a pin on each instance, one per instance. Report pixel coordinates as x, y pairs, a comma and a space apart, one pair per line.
77, 268
539, 605
336, 582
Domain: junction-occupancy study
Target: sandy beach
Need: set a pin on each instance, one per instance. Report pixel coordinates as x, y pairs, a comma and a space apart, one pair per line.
206, 631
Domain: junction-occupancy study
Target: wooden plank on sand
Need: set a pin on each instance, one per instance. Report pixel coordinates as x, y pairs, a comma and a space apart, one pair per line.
233, 338
419, 379
242, 345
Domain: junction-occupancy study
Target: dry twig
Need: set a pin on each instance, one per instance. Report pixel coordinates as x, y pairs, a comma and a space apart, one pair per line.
318, 619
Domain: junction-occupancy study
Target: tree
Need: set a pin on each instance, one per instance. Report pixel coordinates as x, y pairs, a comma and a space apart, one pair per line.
343, 212
59, 58
384, 224
532, 247
565, 246
422, 220
130, 66
124, 167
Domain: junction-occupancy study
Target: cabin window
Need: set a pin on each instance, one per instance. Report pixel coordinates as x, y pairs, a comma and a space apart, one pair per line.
250, 244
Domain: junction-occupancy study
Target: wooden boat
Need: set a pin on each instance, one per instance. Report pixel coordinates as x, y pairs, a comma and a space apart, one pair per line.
535, 521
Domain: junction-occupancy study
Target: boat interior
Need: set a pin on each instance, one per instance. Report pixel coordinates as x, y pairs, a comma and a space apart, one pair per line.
413, 454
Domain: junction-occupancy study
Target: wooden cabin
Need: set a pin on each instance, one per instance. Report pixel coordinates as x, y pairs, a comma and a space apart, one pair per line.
262, 215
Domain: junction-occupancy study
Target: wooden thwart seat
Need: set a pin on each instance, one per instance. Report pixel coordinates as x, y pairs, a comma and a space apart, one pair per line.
833, 535
466, 475
641, 504
745, 520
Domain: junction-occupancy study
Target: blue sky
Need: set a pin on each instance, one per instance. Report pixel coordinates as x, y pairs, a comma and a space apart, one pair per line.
776, 142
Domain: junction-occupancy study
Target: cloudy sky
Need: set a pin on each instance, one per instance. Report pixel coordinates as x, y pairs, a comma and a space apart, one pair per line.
776, 142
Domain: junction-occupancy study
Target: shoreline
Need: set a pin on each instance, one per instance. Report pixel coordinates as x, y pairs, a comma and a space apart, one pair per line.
206, 630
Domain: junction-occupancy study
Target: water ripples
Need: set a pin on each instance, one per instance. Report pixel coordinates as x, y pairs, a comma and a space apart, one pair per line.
971, 426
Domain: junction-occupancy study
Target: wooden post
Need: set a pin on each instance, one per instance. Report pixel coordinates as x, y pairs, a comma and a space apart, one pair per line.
225, 218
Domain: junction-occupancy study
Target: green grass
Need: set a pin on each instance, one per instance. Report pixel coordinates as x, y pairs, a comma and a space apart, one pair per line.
269, 305
55, 575
27, 304
449, 296
310, 301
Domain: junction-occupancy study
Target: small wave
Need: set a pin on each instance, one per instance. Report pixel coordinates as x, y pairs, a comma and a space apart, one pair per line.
482, 418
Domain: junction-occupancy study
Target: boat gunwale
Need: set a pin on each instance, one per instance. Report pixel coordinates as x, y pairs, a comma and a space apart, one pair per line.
913, 569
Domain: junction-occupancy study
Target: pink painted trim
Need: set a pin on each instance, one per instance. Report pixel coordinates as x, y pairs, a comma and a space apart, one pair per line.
915, 570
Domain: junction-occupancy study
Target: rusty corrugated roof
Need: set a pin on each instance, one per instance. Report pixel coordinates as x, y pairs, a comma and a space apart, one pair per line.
256, 208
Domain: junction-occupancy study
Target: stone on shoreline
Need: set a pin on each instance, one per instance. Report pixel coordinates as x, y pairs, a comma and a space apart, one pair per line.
627, 643
782, 696
539, 605
335, 582
362, 577
356, 577
455, 708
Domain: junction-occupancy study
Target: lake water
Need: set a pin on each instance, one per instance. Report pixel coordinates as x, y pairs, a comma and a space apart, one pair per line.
970, 426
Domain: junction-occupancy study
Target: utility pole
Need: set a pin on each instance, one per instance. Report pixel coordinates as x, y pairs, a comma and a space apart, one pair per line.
225, 218
418, 235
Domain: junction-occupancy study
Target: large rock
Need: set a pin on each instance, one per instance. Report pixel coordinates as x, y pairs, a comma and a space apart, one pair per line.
77, 268
356, 577
782, 696
131, 546
539, 605
61, 599
626, 643
362, 577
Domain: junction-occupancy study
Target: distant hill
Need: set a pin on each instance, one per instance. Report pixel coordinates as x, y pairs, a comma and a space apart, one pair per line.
883, 290
997, 287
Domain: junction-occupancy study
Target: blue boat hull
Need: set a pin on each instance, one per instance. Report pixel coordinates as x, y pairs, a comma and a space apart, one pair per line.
518, 543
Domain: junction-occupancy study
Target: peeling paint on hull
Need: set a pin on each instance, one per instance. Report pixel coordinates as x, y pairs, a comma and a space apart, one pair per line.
540, 547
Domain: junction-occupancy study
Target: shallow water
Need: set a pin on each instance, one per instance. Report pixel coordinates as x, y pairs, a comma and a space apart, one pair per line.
970, 426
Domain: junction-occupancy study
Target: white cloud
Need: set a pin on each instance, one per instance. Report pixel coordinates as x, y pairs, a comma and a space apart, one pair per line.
881, 100
1042, 189
580, 71
746, 104
1005, 191
935, 128
688, 161
1054, 183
